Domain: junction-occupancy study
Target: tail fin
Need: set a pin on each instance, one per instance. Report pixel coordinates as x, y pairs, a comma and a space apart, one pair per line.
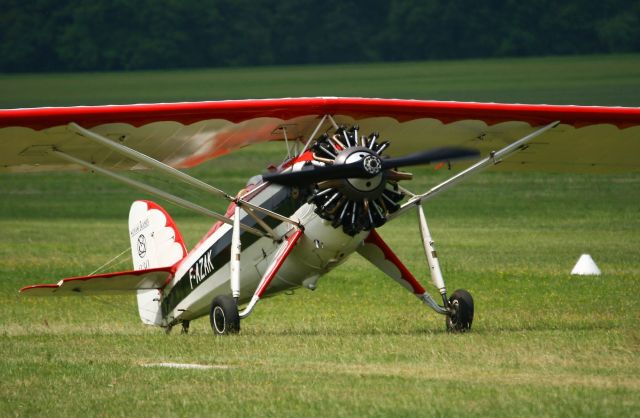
155, 242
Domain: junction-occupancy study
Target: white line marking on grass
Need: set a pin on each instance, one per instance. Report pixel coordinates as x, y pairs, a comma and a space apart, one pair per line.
188, 366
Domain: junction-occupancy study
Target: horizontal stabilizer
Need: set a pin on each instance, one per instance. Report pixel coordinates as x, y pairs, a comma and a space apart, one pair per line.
109, 283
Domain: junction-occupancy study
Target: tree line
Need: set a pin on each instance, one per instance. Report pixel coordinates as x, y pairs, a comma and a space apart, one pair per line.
97, 35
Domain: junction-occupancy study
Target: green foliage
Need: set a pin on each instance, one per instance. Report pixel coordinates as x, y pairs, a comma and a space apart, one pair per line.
75, 35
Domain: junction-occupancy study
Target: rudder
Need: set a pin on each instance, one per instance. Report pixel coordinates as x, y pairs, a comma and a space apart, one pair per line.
155, 242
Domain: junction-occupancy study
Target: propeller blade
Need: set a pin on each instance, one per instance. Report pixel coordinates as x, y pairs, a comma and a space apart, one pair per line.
426, 157
315, 174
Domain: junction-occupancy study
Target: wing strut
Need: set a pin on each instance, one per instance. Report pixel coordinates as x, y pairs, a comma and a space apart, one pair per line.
150, 189
170, 171
495, 157
313, 134
236, 249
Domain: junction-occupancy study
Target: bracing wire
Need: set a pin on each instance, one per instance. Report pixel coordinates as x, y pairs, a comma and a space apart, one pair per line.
110, 262
115, 305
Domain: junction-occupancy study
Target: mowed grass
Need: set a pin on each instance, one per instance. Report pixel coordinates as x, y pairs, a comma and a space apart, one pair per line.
586, 80
544, 343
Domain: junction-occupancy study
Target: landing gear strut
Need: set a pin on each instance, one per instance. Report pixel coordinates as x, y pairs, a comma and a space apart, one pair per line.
459, 307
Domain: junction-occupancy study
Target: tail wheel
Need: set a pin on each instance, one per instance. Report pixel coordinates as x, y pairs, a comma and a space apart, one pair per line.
461, 316
224, 315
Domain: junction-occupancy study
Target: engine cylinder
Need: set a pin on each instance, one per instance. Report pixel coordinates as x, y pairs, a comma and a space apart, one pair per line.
355, 204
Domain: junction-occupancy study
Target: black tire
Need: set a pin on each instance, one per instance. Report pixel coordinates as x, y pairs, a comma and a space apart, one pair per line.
224, 315
461, 316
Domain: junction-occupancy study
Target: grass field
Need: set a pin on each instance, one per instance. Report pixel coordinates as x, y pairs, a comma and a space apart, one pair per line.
591, 80
544, 343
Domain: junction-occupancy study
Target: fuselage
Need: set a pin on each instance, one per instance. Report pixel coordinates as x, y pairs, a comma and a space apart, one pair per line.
335, 220
205, 272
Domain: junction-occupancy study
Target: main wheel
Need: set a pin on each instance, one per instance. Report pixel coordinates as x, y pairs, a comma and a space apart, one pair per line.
224, 315
461, 316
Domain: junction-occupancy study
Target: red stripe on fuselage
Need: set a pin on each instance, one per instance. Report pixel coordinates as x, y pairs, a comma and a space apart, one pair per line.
291, 241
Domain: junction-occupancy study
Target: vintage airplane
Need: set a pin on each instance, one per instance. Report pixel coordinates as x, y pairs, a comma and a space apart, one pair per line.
299, 220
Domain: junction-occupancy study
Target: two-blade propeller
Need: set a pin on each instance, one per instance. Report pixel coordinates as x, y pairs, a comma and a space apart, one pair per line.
367, 167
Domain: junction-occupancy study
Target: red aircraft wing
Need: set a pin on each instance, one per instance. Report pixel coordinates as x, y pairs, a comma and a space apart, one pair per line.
186, 134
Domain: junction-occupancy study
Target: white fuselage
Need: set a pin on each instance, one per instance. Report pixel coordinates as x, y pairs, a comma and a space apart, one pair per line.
199, 278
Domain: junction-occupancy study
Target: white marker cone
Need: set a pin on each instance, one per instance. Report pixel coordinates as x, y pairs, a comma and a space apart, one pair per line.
586, 267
